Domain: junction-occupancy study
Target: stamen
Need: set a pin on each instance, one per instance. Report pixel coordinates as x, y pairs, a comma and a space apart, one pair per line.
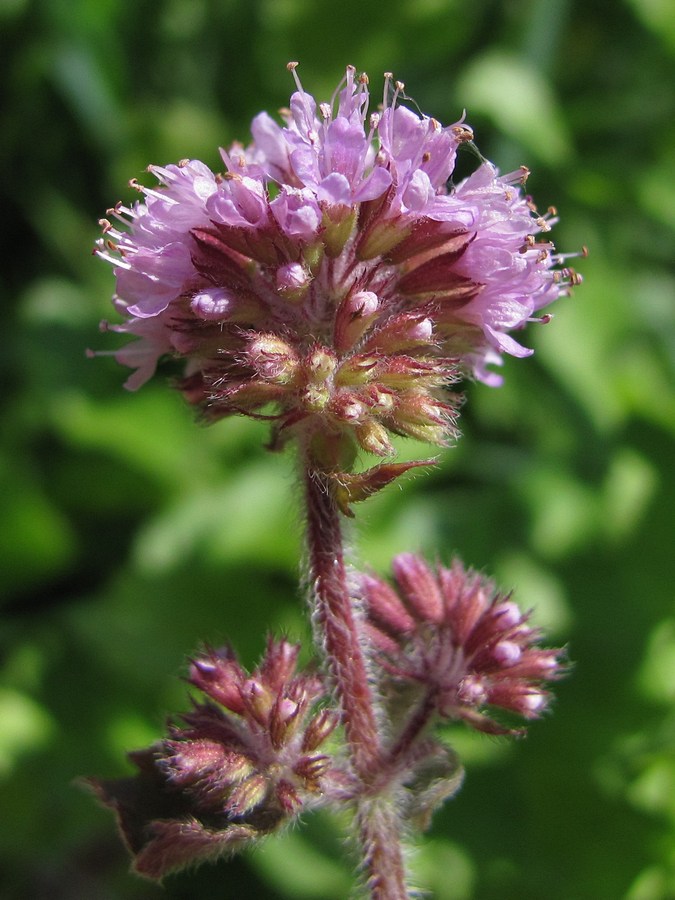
309, 118
363, 95
341, 84
151, 192
114, 261
388, 76
121, 212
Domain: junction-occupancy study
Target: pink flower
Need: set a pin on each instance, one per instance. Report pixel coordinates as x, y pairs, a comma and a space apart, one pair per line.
330, 278
242, 764
467, 646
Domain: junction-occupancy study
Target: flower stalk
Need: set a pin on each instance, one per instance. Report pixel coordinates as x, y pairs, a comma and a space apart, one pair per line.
336, 621
339, 630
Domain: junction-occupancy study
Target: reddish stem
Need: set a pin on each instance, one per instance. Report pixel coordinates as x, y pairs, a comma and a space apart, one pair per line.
334, 615
377, 818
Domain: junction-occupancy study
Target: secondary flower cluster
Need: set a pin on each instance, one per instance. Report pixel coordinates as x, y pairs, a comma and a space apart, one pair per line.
240, 766
332, 279
467, 646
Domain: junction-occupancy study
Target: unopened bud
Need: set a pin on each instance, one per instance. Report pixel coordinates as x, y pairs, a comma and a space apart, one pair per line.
224, 305
419, 586
311, 768
348, 408
213, 304
357, 370
319, 730
283, 721
258, 700
373, 437
507, 652
273, 359
420, 408
385, 607
288, 798
292, 281
279, 663
247, 795
320, 364
403, 332
220, 677
354, 316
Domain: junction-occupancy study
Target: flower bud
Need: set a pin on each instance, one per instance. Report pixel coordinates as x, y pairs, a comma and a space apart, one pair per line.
384, 606
293, 281
273, 359
225, 305
419, 587
247, 795
353, 318
373, 437
402, 332
319, 730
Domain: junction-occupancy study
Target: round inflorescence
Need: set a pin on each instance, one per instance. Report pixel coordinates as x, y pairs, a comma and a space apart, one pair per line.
468, 647
332, 279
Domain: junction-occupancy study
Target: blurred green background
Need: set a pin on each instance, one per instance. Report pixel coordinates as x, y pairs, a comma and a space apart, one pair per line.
129, 534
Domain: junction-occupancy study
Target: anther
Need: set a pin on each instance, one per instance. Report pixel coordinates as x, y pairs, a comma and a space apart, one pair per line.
462, 133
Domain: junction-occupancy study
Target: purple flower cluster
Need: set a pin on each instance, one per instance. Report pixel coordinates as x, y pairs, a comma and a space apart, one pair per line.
332, 274
467, 646
240, 765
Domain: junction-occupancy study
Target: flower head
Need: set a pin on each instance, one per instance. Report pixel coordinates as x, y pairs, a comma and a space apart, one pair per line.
333, 279
450, 632
240, 766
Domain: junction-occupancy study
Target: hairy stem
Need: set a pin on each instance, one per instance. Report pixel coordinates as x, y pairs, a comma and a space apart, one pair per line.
378, 824
380, 837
